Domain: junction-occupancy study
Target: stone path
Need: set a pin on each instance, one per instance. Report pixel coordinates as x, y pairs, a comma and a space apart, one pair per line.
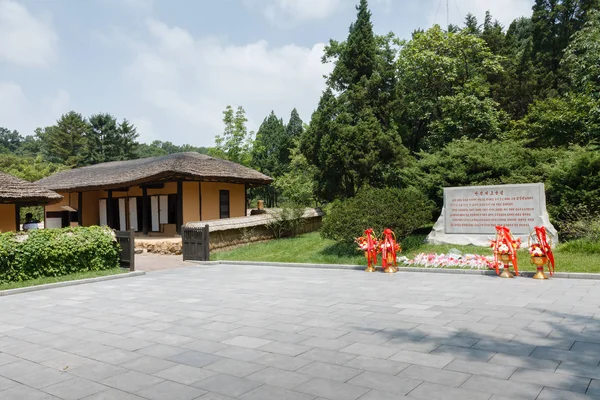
216, 333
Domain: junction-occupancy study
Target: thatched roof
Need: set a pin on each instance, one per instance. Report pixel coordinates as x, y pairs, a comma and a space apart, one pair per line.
119, 174
15, 190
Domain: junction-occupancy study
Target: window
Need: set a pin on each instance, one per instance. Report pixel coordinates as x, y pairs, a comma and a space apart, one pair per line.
223, 203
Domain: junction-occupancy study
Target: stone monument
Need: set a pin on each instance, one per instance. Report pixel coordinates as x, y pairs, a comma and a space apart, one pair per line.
471, 213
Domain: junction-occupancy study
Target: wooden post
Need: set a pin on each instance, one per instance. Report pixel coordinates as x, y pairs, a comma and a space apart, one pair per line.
109, 210
80, 208
205, 243
246, 199
17, 217
200, 199
145, 211
132, 250
179, 206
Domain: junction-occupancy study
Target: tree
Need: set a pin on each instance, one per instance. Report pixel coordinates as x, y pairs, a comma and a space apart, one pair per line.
271, 148
562, 121
554, 23
127, 139
472, 25
437, 69
159, 148
493, 34
271, 153
515, 91
295, 126
235, 142
466, 116
65, 142
357, 56
28, 168
581, 61
297, 186
102, 139
352, 140
31, 146
10, 142
477, 162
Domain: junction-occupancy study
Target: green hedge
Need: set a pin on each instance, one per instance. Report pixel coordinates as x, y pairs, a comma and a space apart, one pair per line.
402, 210
56, 252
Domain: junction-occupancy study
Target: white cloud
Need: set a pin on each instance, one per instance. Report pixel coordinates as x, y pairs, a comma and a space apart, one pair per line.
145, 129
504, 11
18, 112
59, 104
189, 81
24, 38
12, 102
287, 13
281, 11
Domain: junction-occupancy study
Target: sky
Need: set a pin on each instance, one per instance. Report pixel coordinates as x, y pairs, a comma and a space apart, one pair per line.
172, 66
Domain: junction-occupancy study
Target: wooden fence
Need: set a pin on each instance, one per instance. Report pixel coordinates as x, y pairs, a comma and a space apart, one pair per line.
126, 240
195, 243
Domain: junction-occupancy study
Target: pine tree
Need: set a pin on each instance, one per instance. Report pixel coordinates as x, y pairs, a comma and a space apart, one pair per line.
472, 25
271, 149
493, 34
102, 139
127, 140
352, 140
554, 23
65, 142
295, 126
10, 142
271, 154
357, 56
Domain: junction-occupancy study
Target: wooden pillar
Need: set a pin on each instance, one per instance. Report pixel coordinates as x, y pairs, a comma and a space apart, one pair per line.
109, 209
179, 206
200, 199
17, 217
145, 211
80, 208
246, 199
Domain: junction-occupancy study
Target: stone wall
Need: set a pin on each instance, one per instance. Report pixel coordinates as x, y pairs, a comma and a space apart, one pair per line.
225, 239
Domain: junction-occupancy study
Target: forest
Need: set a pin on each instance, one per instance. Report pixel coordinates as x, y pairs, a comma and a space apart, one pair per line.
479, 103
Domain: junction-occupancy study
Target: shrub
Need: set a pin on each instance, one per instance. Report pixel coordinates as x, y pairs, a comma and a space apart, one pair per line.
579, 223
402, 210
477, 162
581, 246
574, 182
56, 252
286, 221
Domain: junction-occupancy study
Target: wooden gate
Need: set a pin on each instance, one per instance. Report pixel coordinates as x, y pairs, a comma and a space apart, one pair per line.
126, 240
195, 243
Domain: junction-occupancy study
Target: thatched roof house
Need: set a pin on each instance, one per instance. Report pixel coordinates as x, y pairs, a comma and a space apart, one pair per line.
15, 192
192, 166
156, 194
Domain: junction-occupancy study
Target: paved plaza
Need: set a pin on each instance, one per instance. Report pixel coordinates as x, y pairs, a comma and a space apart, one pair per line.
254, 333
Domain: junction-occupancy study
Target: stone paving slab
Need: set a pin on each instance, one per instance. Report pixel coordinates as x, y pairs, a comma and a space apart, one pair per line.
241, 332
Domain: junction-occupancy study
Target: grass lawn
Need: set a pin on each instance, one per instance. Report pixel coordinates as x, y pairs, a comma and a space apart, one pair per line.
311, 248
71, 277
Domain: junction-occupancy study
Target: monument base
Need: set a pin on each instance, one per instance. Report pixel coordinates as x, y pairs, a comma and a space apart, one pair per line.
438, 236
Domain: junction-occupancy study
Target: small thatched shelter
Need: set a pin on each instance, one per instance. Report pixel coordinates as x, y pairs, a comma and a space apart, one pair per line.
14, 193
155, 194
